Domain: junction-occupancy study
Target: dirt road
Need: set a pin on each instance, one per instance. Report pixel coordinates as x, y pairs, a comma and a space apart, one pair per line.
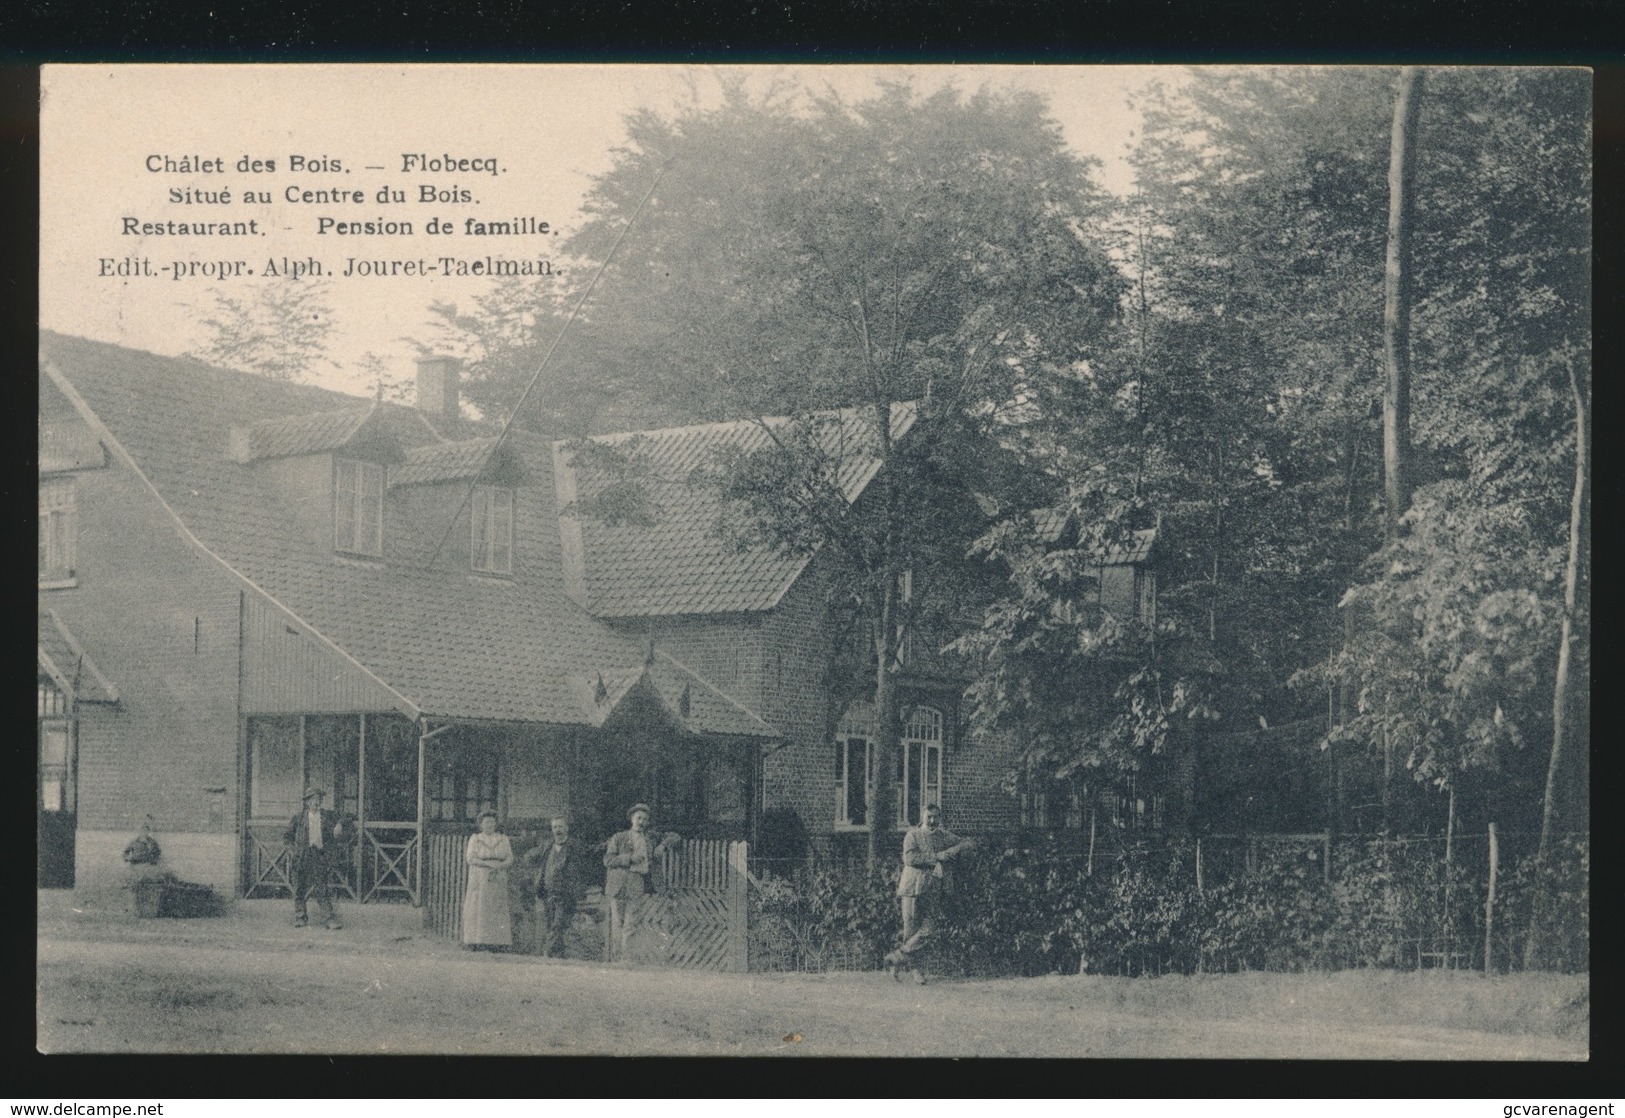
319, 993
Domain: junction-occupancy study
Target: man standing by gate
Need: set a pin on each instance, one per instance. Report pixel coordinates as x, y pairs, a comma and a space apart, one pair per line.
315, 839
632, 862
559, 885
927, 853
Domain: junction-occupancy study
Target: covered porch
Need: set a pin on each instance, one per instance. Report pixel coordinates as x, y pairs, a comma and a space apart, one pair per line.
405, 782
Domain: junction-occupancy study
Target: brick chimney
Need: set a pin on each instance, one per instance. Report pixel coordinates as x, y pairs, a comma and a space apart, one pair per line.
439, 379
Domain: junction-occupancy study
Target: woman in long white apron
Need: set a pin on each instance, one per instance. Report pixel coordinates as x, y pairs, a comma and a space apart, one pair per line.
486, 922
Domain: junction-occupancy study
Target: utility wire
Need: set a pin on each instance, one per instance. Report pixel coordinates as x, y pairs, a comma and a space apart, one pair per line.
546, 357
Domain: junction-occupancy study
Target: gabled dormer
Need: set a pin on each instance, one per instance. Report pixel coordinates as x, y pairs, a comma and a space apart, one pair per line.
1124, 579
330, 469
473, 481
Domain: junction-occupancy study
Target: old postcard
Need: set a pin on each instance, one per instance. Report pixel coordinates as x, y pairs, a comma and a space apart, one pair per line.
815, 560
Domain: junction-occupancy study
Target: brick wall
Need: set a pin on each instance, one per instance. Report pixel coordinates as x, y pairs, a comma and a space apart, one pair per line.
973, 801
799, 774
161, 622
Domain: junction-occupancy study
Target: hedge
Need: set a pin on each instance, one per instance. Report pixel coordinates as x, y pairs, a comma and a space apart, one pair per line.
1023, 907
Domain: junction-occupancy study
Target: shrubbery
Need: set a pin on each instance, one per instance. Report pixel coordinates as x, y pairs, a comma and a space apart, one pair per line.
1025, 907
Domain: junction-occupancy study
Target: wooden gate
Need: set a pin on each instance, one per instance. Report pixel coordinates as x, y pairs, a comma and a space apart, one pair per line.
444, 881
698, 921
268, 873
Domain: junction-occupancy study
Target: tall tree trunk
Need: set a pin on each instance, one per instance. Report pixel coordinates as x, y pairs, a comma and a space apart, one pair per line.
878, 797
1561, 690
879, 806
1396, 301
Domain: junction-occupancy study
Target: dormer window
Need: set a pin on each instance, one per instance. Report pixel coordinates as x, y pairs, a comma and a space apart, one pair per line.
491, 546
358, 507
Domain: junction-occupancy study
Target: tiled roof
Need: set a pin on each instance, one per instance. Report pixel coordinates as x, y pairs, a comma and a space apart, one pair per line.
1050, 524
300, 434
61, 655
453, 644
683, 564
458, 461
65, 443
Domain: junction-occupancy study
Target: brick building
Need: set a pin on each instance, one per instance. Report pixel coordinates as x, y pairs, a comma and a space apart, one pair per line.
248, 585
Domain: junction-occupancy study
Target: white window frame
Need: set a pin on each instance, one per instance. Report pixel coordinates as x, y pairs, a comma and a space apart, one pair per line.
58, 532
57, 748
843, 776
490, 545
358, 507
920, 764
921, 759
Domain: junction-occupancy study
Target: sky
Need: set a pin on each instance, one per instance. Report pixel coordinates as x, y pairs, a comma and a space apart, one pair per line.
131, 154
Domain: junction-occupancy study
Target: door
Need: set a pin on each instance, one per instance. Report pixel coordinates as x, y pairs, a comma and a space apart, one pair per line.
57, 788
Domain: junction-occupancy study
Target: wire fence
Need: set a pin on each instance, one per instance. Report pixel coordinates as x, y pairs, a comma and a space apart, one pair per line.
1224, 902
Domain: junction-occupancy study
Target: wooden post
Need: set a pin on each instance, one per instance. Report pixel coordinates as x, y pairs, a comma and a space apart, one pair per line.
361, 810
1489, 903
1089, 870
738, 920
1199, 866
423, 843
1449, 912
1449, 829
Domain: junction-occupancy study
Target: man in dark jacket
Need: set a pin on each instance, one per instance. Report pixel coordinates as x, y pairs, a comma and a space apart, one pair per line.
316, 839
560, 883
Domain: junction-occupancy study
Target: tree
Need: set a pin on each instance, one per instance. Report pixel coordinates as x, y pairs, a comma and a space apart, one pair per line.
279, 331
1245, 401
895, 276
1396, 301
1236, 403
1467, 614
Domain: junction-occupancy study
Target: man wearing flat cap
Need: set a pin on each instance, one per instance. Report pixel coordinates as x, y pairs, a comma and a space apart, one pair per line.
316, 839
632, 862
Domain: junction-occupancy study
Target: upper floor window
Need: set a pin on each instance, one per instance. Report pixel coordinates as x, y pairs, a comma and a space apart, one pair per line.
492, 543
358, 507
1145, 595
905, 631
57, 530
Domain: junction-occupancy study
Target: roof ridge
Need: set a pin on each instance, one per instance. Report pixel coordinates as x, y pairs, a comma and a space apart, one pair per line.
719, 424
712, 687
200, 363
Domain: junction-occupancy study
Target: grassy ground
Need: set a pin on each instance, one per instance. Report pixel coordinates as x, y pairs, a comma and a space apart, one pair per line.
249, 983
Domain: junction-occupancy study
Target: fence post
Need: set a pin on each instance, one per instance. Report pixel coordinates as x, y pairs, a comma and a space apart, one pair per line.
1089, 870
1199, 867
738, 920
1489, 904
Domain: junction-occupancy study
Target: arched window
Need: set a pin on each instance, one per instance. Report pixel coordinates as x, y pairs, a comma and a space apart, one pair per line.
917, 780
920, 765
